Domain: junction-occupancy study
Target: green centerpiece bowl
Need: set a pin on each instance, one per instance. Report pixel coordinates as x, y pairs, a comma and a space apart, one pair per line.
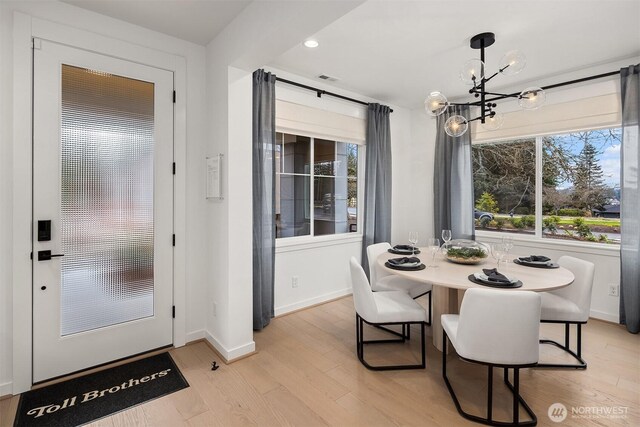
463, 251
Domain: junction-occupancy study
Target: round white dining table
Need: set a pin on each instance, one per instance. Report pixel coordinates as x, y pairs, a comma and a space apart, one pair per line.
450, 280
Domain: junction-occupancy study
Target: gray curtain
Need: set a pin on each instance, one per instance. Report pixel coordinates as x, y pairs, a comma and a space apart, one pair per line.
376, 226
264, 196
630, 206
453, 180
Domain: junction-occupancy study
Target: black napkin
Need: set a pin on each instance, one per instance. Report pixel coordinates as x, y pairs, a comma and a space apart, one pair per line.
535, 258
403, 260
407, 248
494, 276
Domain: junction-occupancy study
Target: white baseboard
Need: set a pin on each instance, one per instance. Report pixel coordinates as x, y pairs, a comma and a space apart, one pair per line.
194, 336
6, 389
312, 301
604, 316
230, 354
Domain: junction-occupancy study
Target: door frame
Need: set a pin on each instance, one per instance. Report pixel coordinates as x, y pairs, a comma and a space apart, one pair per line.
25, 29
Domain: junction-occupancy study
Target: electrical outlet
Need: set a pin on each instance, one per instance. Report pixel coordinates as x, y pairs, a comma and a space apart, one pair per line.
215, 309
294, 282
613, 290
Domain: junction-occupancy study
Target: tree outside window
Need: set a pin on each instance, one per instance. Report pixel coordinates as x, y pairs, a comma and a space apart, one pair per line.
580, 185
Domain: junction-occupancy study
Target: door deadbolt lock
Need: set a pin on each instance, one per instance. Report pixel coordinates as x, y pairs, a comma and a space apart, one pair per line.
46, 255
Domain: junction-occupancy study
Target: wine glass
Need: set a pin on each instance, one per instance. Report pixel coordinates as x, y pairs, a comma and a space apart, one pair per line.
434, 247
413, 241
446, 237
508, 245
498, 250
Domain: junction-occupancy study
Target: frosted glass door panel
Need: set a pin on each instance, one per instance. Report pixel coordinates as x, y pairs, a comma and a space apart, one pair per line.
107, 154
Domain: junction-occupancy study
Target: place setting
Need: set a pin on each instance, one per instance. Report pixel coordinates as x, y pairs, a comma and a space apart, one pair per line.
407, 263
404, 250
410, 249
493, 278
536, 261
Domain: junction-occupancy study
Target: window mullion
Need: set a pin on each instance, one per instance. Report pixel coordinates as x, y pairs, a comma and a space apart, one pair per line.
538, 204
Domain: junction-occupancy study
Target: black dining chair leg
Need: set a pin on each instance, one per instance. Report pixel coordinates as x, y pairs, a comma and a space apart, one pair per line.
582, 364
514, 388
360, 343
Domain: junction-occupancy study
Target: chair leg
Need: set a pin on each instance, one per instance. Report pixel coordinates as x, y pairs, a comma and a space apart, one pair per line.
358, 337
430, 309
517, 399
429, 294
422, 346
516, 395
582, 364
360, 342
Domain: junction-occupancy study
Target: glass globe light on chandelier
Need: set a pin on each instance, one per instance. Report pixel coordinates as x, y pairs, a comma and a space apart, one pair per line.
473, 74
512, 63
493, 122
532, 98
456, 126
436, 104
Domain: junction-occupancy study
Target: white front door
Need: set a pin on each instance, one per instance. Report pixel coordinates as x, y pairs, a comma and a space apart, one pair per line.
102, 209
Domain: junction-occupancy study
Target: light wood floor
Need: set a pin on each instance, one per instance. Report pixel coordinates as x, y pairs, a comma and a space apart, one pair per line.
306, 373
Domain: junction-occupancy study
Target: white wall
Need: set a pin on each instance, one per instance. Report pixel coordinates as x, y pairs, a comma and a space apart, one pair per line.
196, 130
260, 33
321, 269
413, 151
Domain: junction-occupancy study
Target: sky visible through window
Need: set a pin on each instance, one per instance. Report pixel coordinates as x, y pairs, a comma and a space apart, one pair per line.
607, 145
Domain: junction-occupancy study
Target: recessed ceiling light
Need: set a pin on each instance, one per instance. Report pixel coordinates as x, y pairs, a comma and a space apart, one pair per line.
311, 43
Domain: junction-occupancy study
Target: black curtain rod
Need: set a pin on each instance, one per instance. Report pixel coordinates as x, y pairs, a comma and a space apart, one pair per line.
570, 82
320, 92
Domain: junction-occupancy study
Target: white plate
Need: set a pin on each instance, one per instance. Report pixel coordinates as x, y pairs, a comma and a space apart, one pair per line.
483, 277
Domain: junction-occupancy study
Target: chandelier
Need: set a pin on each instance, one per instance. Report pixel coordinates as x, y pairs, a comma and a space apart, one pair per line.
473, 74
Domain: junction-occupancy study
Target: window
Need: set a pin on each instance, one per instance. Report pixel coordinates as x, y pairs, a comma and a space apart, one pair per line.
504, 185
579, 193
318, 200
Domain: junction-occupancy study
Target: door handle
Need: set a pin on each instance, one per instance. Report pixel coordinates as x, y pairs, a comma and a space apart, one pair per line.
46, 255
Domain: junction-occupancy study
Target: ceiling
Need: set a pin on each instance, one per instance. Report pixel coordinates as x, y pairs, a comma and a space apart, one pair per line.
398, 51
197, 21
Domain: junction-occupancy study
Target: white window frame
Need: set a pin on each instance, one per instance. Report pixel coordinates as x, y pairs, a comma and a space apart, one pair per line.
537, 237
311, 240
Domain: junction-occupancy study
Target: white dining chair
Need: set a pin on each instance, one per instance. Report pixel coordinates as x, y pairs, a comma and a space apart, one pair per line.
384, 281
496, 328
391, 308
570, 305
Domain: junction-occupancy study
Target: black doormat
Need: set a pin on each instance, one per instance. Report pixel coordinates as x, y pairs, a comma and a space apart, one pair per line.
85, 399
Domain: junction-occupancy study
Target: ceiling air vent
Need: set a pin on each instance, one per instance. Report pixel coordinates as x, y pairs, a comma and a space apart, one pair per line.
327, 78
